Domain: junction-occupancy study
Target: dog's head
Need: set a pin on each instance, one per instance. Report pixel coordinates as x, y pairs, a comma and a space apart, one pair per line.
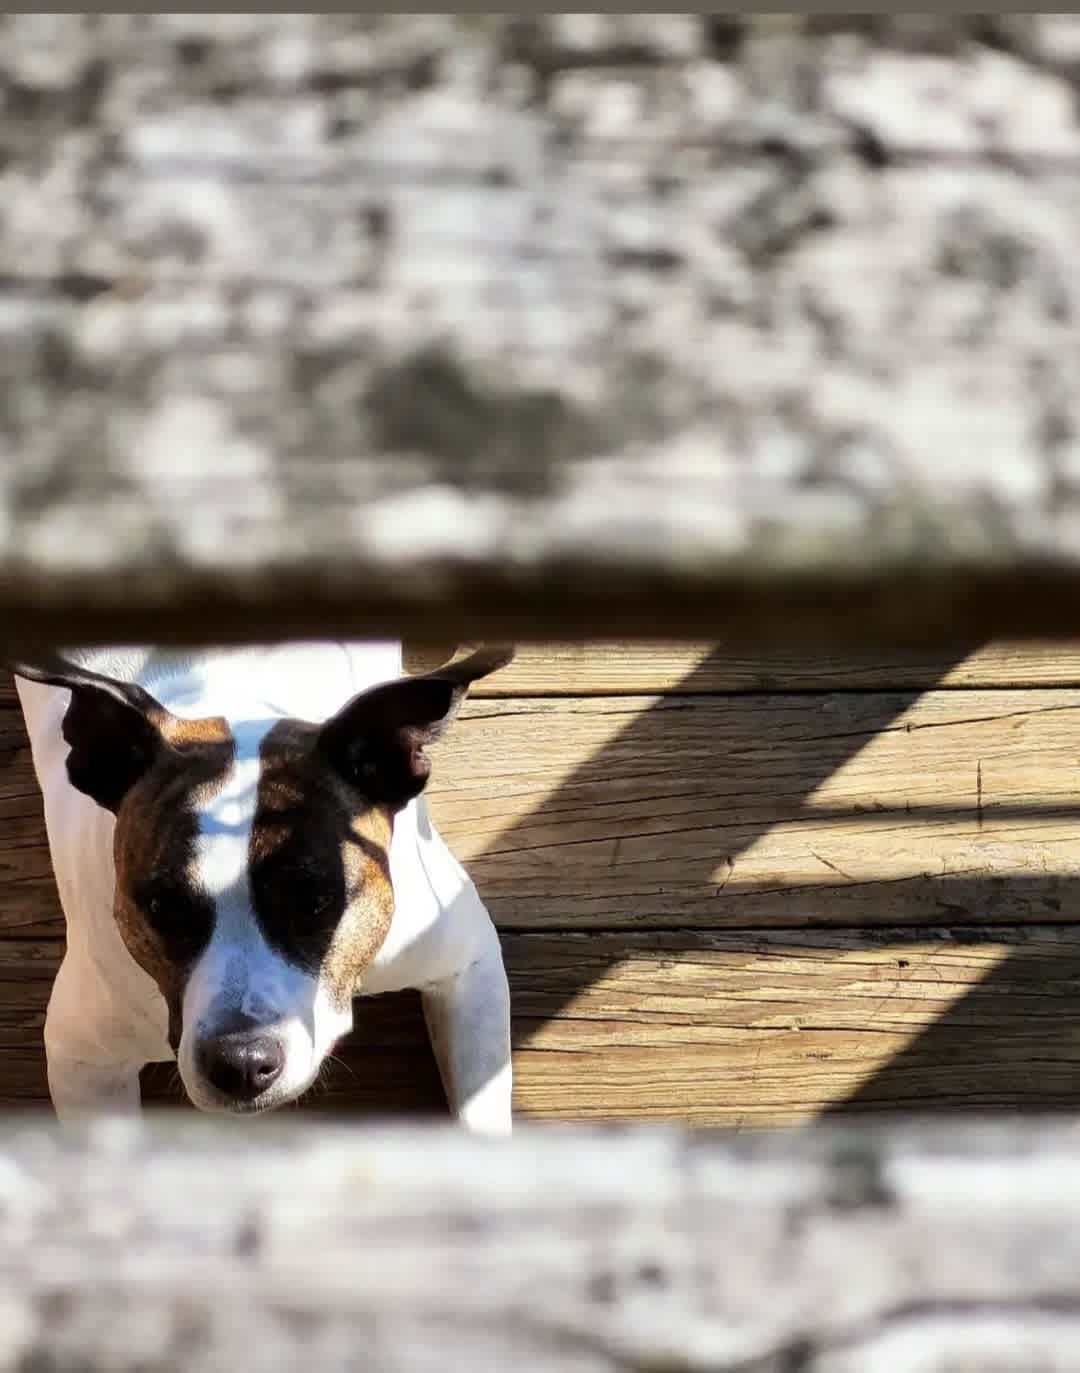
252, 862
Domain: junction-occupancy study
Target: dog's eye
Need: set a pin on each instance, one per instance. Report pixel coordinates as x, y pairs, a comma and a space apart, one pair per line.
174, 911
156, 896
362, 771
305, 899
320, 903
313, 907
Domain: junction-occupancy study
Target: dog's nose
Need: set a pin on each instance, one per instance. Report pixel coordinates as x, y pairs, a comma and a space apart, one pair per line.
242, 1065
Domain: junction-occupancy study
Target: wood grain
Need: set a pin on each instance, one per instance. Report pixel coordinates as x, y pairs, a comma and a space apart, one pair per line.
776, 1029
936, 810
640, 667
776, 810
708, 1029
643, 667
849, 809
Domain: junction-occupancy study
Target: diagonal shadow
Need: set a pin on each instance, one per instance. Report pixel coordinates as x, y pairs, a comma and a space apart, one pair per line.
1006, 1044
1007, 996
381, 1061
386, 1065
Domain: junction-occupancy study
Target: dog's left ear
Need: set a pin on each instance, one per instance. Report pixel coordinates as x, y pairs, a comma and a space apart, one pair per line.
377, 741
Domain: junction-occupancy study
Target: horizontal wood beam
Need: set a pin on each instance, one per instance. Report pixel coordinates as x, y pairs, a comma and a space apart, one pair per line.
913, 1248
740, 1029
746, 1029
643, 668
647, 668
836, 809
702, 811
564, 326
833, 811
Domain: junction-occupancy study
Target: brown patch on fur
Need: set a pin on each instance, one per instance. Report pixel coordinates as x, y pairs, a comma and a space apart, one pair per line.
164, 918
212, 729
367, 918
320, 876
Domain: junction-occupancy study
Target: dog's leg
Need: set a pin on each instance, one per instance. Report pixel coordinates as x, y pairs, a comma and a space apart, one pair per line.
77, 1088
468, 1019
89, 1070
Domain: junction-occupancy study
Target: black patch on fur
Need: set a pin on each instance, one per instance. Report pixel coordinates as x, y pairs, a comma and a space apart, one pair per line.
132, 756
299, 900
179, 912
303, 820
113, 744
166, 918
377, 743
113, 728
310, 863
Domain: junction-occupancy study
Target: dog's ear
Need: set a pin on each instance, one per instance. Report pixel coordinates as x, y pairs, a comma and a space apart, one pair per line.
115, 729
377, 741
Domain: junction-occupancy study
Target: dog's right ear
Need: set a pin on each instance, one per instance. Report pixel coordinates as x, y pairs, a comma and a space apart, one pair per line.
116, 729
377, 741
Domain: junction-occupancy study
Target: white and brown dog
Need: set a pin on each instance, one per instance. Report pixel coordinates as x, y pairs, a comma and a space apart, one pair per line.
241, 847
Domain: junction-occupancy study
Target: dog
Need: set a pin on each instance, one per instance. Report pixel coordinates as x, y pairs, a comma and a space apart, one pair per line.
241, 846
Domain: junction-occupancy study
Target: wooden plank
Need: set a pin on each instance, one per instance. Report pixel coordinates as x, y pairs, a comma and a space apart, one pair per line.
304, 328
888, 808
769, 1030
839, 809
708, 1029
640, 667
133, 1246
776, 1029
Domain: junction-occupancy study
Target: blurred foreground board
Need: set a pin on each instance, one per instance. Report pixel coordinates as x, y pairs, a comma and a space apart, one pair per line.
205, 1247
568, 325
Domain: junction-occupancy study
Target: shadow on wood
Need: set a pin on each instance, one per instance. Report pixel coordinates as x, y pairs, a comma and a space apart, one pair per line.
1009, 1040
631, 1018
1010, 1043
976, 1052
391, 1031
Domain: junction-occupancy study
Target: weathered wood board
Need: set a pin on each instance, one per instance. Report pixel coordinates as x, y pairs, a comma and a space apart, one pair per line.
641, 667
638, 668
772, 1029
645, 981
724, 811
736, 1030
550, 324
923, 1249
875, 808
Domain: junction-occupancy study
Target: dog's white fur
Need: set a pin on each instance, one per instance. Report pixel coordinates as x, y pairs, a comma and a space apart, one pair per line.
106, 1017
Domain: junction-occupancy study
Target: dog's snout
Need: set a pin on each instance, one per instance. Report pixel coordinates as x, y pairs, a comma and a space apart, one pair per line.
243, 1064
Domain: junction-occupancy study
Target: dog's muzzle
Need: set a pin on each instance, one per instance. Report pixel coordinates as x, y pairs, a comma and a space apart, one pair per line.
242, 1061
